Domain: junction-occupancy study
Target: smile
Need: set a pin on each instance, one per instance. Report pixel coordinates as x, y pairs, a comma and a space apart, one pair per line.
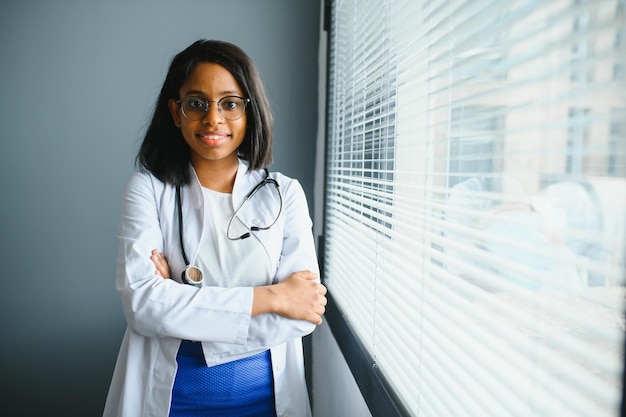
212, 138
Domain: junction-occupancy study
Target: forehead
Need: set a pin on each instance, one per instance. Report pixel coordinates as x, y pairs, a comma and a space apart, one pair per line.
210, 79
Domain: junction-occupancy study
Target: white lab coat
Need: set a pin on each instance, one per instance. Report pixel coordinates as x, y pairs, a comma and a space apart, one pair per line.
160, 312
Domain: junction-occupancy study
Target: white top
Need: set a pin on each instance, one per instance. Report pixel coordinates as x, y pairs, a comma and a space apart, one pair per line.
160, 312
230, 263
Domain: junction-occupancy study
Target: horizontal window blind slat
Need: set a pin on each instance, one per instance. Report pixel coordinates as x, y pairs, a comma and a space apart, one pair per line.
476, 192
518, 323
553, 392
587, 351
602, 305
551, 254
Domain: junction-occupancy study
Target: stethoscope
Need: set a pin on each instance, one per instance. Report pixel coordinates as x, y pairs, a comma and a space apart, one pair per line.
192, 274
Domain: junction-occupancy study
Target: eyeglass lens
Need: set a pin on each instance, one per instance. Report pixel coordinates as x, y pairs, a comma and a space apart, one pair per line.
196, 108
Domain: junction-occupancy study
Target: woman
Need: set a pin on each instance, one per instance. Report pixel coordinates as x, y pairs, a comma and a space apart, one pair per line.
204, 203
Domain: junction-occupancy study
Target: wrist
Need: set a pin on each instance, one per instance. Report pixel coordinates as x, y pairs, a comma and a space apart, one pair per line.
265, 300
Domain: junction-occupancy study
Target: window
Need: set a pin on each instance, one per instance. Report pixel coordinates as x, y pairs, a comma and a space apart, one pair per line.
475, 205
577, 140
617, 144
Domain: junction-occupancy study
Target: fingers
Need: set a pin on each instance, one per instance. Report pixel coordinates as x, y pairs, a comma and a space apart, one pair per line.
159, 261
315, 317
320, 314
323, 290
155, 257
303, 297
322, 301
321, 311
307, 275
320, 308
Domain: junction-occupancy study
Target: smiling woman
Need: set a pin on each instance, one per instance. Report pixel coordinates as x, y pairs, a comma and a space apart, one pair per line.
229, 343
189, 77
96, 81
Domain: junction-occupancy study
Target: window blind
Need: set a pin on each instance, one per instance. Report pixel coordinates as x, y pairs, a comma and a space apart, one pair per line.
475, 204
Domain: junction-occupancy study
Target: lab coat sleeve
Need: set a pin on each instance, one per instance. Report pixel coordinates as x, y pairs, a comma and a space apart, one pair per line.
297, 254
154, 306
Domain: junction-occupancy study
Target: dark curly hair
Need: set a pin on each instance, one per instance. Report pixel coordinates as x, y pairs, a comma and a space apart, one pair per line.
164, 152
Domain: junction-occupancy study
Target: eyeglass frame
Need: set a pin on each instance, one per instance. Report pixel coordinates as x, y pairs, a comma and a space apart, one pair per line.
246, 101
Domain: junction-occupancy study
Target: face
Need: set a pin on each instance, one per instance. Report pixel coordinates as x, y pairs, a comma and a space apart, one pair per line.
212, 139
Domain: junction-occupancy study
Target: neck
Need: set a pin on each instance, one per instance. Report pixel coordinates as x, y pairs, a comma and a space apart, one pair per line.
217, 176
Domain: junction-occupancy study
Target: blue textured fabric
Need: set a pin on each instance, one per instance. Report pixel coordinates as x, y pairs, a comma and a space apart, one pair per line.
240, 388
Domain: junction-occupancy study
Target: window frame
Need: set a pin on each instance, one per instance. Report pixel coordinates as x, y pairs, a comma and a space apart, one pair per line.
377, 392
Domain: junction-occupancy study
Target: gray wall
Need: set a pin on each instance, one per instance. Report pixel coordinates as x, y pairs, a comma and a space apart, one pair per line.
335, 392
78, 80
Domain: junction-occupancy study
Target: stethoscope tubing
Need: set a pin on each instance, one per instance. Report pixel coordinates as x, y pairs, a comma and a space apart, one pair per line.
192, 275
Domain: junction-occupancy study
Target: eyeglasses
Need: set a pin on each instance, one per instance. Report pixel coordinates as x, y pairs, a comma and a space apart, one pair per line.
229, 107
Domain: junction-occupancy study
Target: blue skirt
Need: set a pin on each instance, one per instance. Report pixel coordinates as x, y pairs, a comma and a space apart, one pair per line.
239, 389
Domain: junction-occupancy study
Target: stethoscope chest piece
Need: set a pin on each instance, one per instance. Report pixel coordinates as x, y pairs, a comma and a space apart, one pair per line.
192, 275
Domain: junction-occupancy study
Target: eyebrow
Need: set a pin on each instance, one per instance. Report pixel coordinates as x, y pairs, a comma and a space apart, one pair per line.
222, 93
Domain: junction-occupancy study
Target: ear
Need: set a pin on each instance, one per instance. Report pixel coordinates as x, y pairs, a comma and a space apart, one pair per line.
175, 111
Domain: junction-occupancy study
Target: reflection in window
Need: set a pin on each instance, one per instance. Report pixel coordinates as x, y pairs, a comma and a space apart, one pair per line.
476, 205
617, 144
577, 140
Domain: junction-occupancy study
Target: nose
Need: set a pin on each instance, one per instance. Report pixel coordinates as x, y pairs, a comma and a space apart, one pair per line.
212, 116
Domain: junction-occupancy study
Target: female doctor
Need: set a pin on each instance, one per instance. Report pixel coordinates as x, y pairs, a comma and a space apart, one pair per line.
216, 269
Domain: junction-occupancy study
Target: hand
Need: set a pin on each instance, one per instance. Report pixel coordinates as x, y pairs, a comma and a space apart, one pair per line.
299, 297
162, 267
